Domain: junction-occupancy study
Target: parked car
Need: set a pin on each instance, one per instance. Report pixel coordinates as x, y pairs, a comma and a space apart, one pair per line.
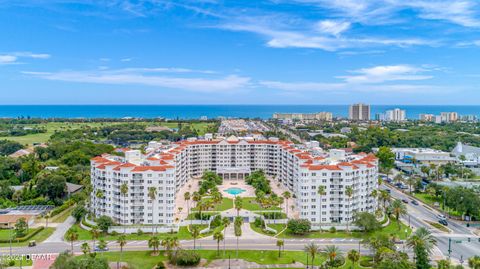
443, 222
388, 190
405, 201
414, 202
441, 217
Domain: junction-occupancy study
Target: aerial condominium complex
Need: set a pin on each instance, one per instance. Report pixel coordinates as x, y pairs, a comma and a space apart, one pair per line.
166, 168
321, 116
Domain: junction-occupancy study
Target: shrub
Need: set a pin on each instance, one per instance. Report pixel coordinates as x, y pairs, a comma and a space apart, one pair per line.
104, 222
160, 265
333, 229
114, 233
274, 215
59, 209
366, 262
299, 226
185, 258
258, 222
217, 221
339, 261
139, 232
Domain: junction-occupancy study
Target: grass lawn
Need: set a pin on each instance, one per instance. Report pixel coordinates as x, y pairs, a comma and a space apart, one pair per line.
431, 200
391, 228
277, 227
226, 204
40, 237
143, 260
51, 127
250, 204
62, 217
23, 261
438, 226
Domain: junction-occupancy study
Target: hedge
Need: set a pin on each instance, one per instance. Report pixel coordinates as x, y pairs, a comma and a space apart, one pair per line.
61, 208
27, 237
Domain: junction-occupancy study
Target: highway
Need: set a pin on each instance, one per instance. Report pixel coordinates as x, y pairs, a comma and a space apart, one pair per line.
419, 214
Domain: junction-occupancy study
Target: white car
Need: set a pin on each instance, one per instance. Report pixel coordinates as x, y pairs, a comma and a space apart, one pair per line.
441, 217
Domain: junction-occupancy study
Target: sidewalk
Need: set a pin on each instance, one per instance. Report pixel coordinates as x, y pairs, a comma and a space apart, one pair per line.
59, 233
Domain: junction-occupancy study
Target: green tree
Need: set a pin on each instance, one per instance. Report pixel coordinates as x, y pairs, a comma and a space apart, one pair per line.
386, 158
21, 227
312, 249
79, 212
349, 193
321, 192
286, 195
366, 221
398, 209
104, 222
333, 252
95, 234
474, 262
280, 244
353, 256
152, 194
122, 241
195, 231
187, 197
238, 230
72, 236
85, 248
52, 187
225, 222
154, 243
238, 204
218, 236
124, 192
299, 226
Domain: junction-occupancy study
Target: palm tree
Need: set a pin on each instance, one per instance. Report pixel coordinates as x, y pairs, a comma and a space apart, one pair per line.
321, 192
196, 197
99, 195
238, 229
280, 244
187, 198
124, 192
122, 241
422, 237
353, 256
349, 193
374, 194
384, 197
72, 236
312, 249
238, 204
152, 194
462, 158
332, 252
154, 243
218, 236
225, 222
95, 234
195, 234
286, 195
425, 170
398, 209
411, 181
85, 248
47, 216
474, 262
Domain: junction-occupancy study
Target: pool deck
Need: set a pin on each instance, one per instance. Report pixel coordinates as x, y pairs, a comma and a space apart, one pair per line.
227, 184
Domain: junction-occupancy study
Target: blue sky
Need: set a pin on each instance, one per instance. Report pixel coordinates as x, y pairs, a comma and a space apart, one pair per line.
240, 52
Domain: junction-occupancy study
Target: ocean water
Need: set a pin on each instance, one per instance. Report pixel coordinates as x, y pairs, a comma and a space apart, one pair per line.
210, 111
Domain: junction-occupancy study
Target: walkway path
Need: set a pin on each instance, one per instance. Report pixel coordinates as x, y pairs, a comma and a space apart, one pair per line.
62, 228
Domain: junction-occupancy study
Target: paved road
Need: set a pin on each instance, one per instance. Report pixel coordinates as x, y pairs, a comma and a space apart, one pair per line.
417, 215
206, 243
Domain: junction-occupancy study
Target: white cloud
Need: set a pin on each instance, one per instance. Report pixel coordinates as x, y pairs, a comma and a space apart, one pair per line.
376, 79
142, 76
7, 59
460, 12
288, 38
385, 73
332, 27
13, 57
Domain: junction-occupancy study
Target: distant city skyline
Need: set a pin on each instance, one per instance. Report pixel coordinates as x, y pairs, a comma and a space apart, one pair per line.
262, 52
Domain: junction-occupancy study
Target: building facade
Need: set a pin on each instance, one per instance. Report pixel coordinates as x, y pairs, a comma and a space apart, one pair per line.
359, 112
300, 168
321, 116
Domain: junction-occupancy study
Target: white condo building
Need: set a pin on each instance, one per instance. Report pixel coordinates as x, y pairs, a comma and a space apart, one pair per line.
299, 168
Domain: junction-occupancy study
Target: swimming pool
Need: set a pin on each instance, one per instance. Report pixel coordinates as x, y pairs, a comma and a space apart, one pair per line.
234, 191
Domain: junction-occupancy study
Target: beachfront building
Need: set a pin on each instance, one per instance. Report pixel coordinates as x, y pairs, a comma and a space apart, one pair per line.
320, 116
359, 112
393, 115
299, 168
